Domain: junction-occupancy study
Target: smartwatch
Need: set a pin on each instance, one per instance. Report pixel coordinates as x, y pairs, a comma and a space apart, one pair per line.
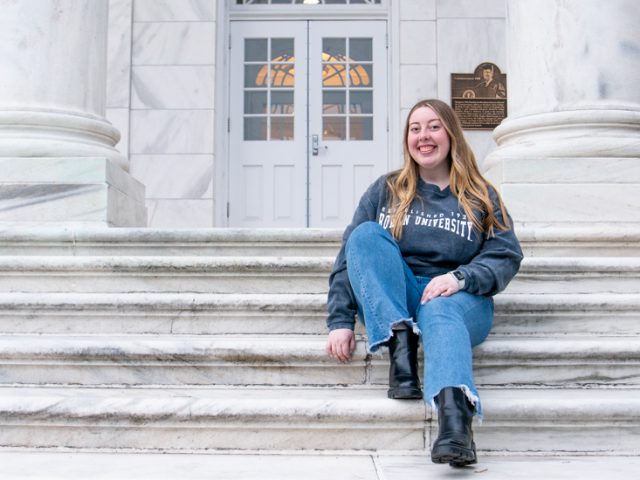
459, 276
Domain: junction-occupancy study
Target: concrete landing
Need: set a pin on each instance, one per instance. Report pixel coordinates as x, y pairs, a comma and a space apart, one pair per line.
284, 466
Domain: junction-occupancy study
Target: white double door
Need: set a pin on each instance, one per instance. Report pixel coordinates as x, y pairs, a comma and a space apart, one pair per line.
308, 120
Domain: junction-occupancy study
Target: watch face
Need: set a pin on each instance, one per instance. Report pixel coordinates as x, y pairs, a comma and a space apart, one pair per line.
458, 275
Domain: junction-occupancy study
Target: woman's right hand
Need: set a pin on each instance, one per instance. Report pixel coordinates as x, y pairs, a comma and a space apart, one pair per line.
341, 344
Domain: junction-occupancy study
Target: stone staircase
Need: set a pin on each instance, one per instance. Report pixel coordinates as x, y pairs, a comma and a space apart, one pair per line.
214, 339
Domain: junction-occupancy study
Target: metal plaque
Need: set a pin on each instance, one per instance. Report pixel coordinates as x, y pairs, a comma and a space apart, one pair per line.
480, 98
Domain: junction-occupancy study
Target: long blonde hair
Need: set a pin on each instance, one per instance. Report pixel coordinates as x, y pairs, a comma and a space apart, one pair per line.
465, 180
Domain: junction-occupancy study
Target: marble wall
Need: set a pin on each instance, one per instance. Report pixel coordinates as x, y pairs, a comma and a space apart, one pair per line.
440, 37
161, 97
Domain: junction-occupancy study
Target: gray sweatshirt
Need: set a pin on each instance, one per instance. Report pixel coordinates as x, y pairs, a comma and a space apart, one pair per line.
437, 238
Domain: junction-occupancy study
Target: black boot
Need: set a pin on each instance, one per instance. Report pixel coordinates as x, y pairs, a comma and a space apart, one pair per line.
404, 382
454, 444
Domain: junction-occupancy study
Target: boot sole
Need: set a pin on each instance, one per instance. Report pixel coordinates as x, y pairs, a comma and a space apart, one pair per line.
454, 456
404, 393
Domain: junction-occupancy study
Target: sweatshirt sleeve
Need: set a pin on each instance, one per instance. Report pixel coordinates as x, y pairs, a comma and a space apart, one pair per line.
341, 302
498, 261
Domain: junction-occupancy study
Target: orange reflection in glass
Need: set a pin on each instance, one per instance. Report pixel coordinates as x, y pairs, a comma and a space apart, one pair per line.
334, 72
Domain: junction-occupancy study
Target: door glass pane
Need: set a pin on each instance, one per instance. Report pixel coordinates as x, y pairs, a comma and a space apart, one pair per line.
334, 128
361, 128
334, 101
281, 49
281, 128
361, 102
335, 47
282, 102
255, 128
255, 50
334, 75
255, 75
361, 75
283, 75
255, 102
360, 49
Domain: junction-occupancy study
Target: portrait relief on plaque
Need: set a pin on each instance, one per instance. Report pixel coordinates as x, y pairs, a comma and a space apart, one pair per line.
480, 98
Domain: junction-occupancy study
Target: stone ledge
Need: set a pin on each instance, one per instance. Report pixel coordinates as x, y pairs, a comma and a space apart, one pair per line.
277, 274
201, 419
571, 240
298, 360
205, 313
516, 421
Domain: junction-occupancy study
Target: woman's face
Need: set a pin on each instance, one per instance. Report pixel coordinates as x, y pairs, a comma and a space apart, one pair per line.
428, 143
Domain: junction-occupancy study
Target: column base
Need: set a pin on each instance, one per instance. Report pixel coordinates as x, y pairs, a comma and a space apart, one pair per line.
564, 168
85, 190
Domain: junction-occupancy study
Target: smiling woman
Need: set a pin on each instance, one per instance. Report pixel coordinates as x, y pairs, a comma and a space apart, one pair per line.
428, 246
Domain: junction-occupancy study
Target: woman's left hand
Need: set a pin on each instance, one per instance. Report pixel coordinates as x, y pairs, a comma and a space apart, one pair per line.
440, 286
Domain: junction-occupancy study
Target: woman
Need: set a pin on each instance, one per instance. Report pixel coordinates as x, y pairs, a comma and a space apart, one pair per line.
428, 246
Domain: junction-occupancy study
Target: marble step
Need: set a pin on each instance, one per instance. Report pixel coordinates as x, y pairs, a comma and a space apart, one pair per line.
536, 240
541, 421
560, 420
203, 313
210, 418
97, 241
277, 274
297, 360
162, 313
561, 313
164, 274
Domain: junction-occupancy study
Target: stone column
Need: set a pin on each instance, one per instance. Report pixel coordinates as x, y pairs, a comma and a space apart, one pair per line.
57, 151
568, 155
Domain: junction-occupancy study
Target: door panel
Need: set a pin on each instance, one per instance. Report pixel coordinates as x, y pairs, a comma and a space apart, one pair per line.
268, 158
347, 110
307, 120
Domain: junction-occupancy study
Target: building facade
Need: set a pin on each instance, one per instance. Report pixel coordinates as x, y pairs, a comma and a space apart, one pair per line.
279, 113
194, 125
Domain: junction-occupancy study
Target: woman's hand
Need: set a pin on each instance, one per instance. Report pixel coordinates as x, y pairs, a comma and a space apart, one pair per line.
341, 344
440, 286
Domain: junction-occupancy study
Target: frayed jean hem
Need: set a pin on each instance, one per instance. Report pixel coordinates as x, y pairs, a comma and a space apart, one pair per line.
373, 347
473, 398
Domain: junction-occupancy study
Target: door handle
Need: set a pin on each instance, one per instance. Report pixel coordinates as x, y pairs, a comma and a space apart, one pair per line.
315, 145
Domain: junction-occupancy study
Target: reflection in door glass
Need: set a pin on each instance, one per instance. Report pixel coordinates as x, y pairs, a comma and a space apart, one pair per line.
255, 102
347, 79
361, 102
269, 77
334, 101
281, 49
335, 48
334, 128
282, 102
281, 128
360, 128
360, 49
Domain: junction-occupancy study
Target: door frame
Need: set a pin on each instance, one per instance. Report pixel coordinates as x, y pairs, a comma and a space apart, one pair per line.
388, 11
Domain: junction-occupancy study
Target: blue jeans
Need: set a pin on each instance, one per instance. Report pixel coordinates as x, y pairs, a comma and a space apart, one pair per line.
388, 294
